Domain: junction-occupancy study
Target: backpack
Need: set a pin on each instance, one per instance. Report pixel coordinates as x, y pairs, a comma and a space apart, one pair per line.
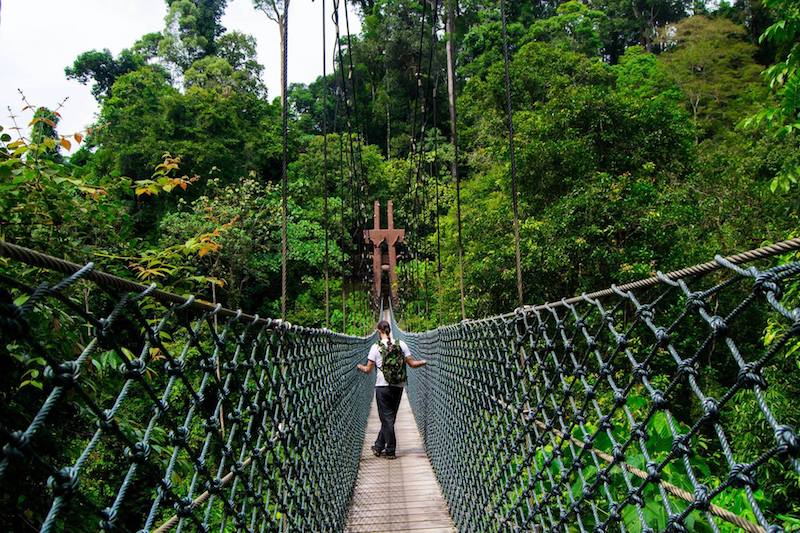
393, 364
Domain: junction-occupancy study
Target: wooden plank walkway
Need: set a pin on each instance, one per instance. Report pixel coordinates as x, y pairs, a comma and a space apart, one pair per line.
398, 495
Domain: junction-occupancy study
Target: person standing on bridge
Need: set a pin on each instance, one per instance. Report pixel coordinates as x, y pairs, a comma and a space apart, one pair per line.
390, 358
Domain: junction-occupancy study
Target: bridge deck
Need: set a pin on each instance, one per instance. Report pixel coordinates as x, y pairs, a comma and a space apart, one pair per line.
398, 495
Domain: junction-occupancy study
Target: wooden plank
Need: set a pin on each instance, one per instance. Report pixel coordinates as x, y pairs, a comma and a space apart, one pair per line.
401, 494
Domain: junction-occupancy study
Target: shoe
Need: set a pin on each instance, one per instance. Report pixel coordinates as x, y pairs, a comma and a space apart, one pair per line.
391, 456
375, 451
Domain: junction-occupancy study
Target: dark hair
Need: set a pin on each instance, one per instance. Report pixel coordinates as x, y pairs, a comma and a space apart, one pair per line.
385, 328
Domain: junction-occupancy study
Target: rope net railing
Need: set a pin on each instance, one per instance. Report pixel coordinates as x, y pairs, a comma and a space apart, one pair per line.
646, 409
128, 409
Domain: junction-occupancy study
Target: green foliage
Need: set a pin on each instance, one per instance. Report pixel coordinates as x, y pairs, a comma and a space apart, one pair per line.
627, 162
574, 26
191, 32
103, 69
782, 117
712, 62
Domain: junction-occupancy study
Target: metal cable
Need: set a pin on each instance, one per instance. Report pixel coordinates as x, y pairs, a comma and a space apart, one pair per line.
285, 160
325, 166
511, 155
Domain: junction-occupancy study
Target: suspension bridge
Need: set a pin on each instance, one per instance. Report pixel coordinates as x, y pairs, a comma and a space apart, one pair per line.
586, 414
593, 413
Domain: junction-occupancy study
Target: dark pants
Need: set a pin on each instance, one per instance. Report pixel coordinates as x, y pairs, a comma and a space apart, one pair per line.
388, 400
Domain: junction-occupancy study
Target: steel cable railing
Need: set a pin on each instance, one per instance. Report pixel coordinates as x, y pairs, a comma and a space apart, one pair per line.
122, 410
630, 411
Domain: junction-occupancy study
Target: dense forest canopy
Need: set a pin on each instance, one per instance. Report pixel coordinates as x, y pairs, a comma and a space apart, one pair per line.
650, 135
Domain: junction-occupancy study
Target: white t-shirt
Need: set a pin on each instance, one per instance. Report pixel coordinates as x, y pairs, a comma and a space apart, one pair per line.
375, 357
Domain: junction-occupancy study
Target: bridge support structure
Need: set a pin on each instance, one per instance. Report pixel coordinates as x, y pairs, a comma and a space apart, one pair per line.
377, 236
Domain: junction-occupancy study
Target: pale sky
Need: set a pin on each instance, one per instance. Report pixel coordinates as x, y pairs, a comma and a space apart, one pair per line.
38, 38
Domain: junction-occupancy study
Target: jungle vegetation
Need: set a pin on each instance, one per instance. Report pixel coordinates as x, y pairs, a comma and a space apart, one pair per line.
650, 135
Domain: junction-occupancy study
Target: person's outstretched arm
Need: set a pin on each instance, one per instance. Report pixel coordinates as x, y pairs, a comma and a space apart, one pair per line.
373, 354
415, 363
410, 361
366, 368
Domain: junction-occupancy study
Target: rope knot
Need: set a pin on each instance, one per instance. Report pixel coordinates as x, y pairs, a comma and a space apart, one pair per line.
711, 410
211, 424
653, 473
788, 443
179, 436
675, 525
749, 376
740, 476
634, 497
138, 454
640, 371
64, 482
234, 416
695, 301
766, 283
134, 369
638, 432
109, 516
164, 487
680, 446
687, 367
618, 454
18, 441
702, 499
12, 321
174, 367
207, 364
660, 400
662, 337
718, 326
107, 422
63, 375
214, 486
184, 506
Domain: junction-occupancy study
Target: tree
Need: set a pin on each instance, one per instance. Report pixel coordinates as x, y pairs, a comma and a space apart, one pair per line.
191, 33
574, 25
629, 22
233, 68
783, 116
640, 76
103, 69
277, 11
239, 50
711, 61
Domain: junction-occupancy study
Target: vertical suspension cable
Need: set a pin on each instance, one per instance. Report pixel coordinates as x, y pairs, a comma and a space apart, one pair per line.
416, 136
285, 161
351, 160
361, 221
325, 166
341, 228
511, 156
426, 107
451, 90
435, 174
